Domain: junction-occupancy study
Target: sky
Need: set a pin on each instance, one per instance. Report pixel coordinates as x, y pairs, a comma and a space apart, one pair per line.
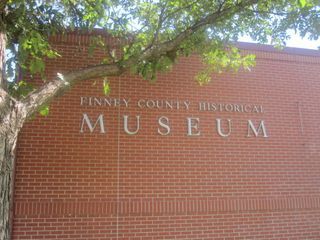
295, 41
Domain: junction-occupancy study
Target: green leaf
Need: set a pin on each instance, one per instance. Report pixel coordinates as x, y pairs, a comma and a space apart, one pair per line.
20, 89
36, 66
44, 111
302, 3
106, 87
203, 78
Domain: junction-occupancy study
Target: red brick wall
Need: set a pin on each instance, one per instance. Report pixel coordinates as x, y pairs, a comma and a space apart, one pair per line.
72, 185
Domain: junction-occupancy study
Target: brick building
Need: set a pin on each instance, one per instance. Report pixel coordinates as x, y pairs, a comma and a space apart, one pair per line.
236, 159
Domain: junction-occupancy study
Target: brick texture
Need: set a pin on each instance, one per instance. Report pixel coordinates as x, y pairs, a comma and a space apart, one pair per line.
112, 185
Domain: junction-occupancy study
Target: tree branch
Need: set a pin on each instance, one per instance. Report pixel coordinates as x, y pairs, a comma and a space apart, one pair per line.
169, 46
170, 14
160, 22
61, 83
3, 4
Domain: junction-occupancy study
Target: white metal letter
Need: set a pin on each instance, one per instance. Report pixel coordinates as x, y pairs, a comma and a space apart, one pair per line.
193, 124
255, 131
125, 125
163, 122
219, 128
86, 120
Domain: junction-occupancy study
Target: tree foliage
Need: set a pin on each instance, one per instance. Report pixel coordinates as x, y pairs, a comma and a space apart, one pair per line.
206, 27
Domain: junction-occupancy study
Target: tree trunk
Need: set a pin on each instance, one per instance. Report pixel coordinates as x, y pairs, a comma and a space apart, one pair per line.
10, 124
3, 41
8, 143
11, 121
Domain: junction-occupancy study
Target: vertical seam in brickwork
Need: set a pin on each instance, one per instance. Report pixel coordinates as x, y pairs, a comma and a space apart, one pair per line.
118, 162
300, 118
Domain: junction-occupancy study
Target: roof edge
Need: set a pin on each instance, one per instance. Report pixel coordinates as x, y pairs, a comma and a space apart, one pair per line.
272, 49
80, 36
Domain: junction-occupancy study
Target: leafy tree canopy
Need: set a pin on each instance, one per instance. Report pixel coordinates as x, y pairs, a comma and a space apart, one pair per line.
202, 26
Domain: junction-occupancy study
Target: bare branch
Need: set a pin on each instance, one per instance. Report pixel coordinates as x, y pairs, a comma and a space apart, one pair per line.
160, 22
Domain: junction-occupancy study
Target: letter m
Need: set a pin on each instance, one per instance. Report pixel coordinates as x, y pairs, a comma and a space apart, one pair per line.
251, 128
86, 120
